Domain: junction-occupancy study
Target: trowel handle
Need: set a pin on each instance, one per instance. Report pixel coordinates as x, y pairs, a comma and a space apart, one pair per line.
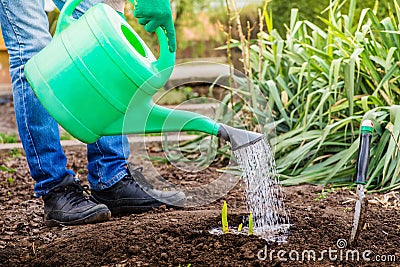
363, 152
65, 18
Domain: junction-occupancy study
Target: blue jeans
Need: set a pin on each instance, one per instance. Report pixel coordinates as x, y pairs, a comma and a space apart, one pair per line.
25, 30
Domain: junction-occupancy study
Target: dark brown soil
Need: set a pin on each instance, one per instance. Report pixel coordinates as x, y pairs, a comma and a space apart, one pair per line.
179, 237
167, 237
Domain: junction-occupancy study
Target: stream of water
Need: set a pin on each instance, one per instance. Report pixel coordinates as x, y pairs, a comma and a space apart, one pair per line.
264, 195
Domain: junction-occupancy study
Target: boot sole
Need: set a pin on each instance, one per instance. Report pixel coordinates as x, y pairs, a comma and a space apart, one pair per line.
124, 210
99, 216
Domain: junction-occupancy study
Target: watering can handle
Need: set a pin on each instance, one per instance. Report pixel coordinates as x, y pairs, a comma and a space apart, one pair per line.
166, 60
65, 17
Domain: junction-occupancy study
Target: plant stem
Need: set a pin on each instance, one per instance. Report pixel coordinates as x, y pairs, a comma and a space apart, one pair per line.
251, 230
224, 215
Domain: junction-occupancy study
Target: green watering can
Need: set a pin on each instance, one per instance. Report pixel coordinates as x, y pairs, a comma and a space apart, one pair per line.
97, 78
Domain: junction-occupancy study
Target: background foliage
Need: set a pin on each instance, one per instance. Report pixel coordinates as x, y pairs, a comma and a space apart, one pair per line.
311, 10
318, 83
202, 19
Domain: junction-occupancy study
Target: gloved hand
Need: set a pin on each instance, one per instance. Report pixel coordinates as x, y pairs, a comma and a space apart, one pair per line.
154, 13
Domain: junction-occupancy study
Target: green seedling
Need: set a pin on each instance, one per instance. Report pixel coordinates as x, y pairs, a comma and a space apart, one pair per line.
324, 193
10, 180
321, 196
240, 227
251, 231
224, 215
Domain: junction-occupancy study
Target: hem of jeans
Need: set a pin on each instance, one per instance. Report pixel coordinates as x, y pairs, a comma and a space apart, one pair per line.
102, 186
42, 192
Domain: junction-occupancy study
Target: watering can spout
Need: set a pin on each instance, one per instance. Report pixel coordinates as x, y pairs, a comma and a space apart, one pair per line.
237, 137
152, 118
161, 119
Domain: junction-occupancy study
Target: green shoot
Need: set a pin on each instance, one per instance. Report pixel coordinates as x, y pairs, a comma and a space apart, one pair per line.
251, 231
6, 169
8, 138
324, 193
224, 214
15, 153
240, 227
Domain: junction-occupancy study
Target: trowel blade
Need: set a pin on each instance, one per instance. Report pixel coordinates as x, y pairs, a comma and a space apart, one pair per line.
359, 214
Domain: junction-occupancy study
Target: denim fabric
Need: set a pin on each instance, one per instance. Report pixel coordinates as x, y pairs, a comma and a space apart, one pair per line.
25, 30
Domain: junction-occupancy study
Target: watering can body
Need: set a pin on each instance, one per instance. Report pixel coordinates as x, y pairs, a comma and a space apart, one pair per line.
97, 77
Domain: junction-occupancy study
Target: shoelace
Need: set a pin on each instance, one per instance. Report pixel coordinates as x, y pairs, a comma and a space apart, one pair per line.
136, 175
74, 192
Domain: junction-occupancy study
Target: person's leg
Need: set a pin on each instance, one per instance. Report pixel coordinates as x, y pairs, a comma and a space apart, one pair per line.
107, 161
25, 36
82, 7
25, 30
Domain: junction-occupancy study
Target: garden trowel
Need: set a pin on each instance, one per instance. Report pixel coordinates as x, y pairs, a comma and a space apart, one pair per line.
361, 174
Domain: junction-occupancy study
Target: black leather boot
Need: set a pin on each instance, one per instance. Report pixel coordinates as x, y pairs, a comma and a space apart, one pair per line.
66, 204
133, 194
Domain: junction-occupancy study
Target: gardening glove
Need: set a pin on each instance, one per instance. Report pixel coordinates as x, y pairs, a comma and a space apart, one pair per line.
155, 13
118, 5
